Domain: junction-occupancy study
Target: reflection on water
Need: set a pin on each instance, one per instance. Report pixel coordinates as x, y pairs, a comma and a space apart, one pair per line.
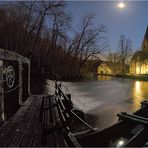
103, 77
137, 85
138, 89
103, 98
139, 93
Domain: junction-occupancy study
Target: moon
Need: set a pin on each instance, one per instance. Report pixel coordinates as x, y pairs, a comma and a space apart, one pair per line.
121, 5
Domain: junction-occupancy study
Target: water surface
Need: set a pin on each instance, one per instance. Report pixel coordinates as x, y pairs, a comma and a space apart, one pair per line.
103, 98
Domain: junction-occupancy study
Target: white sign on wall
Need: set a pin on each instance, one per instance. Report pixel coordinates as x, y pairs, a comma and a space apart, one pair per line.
10, 76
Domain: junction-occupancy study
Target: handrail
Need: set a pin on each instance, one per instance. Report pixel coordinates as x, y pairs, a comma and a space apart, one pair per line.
58, 87
64, 96
82, 121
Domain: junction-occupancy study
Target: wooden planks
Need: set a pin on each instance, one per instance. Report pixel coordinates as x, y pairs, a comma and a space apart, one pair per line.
14, 125
32, 121
48, 137
59, 142
36, 124
53, 135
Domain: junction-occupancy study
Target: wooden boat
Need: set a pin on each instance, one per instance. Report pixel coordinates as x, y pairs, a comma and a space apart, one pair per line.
130, 131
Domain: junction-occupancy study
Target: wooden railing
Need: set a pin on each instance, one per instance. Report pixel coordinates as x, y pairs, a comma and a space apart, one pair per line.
67, 111
67, 105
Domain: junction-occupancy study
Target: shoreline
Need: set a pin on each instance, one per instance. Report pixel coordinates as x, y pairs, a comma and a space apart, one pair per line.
41, 79
133, 77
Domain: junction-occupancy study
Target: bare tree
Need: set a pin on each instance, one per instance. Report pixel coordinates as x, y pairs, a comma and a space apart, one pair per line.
114, 58
124, 50
87, 41
61, 22
39, 30
39, 11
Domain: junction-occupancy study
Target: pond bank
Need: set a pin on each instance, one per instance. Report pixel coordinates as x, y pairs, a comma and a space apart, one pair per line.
133, 77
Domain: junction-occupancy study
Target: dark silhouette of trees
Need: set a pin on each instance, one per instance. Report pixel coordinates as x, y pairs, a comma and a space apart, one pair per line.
86, 42
124, 51
40, 31
114, 58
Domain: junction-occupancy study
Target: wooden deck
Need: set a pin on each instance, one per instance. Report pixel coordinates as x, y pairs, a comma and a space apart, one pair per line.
36, 124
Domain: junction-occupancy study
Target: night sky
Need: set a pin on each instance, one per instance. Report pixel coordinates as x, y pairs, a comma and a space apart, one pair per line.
130, 21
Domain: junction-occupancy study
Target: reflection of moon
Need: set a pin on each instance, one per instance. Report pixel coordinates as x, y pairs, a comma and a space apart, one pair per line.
121, 5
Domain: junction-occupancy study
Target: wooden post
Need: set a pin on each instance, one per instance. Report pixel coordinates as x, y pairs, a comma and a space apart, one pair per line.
56, 89
1, 92
29, 93
20, 82
59, 91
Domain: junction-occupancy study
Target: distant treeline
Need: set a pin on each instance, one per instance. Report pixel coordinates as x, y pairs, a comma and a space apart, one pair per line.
40, 30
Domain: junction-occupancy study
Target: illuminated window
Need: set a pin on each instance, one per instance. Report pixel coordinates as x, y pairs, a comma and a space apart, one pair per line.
137, 70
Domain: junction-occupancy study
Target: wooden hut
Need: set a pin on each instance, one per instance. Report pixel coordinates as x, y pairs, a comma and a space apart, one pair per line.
14, 82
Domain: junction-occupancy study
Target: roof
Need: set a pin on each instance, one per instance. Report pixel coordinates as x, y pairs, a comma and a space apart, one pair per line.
140, 56
108, 63
12, 56
146, 34
101, 57
96, 64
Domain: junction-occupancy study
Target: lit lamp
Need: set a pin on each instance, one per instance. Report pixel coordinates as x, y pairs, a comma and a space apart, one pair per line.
120, 142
